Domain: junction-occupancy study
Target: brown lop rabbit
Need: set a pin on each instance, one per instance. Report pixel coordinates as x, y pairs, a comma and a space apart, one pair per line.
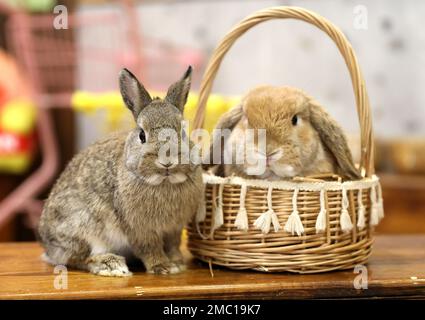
301, 137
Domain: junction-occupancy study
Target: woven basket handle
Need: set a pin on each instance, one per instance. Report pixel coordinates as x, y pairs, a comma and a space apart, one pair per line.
362, 100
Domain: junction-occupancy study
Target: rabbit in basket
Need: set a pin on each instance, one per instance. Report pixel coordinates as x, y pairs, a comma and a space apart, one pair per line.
119, 199
301, 139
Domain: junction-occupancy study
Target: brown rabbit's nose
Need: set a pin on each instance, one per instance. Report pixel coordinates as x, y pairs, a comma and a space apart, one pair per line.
269, 160
273, 156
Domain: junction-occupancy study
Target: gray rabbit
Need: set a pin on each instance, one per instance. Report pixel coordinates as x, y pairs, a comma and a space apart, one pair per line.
118, 198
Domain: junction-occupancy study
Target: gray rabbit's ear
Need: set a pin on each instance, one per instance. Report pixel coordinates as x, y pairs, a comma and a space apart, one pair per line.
178, 92
334, 139
133, 93
228, 120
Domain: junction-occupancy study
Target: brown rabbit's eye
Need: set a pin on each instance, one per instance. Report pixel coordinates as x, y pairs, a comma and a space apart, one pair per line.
142, 136
294, 120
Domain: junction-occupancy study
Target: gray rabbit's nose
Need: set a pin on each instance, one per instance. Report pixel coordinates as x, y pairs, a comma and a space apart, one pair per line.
166, 165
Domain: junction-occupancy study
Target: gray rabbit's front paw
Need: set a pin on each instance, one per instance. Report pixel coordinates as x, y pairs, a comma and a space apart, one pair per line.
176, 258
164, 268
178, 261
109, 265
180, 264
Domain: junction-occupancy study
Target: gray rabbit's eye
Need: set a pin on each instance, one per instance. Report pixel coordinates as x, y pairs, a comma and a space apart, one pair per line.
294, 120
142, 136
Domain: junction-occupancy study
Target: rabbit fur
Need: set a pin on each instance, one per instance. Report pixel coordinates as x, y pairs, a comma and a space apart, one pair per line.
311, 143
116, 199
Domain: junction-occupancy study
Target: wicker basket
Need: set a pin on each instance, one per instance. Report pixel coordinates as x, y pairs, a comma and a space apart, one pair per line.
305, 225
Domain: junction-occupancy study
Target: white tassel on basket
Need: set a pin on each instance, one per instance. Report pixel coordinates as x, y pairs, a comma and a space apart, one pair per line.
361, 211
269, 217
345, 220
201, 215
377, 211
218, 217
241, 220
293, 224
321, 217
380, 202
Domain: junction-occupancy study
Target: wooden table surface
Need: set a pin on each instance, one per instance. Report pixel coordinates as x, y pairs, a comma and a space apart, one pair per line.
396, 269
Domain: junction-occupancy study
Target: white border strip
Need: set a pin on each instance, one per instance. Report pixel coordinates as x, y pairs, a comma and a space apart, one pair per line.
291, 185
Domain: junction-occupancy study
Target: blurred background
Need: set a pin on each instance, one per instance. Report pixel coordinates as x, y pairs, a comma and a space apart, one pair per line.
59, 62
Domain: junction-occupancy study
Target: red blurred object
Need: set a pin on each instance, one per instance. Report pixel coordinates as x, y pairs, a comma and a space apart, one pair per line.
15, 143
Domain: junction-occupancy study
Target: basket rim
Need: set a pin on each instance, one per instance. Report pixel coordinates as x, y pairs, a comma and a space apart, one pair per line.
364, 183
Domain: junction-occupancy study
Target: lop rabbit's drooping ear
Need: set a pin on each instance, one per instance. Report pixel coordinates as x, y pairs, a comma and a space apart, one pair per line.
133, 93
178, 92
334, 139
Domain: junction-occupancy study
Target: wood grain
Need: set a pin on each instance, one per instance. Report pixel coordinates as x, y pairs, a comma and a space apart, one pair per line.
396, 269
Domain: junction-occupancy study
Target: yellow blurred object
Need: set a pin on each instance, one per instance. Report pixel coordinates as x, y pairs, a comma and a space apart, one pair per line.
190, 108
184, 235
18, 116
15, 163
88, 103
84, 102
114, 106
216, 106
115, 109
111, 100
